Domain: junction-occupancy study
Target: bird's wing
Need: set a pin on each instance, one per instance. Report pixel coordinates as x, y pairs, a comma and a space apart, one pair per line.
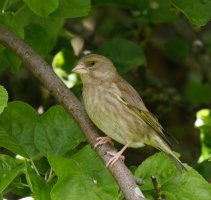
130, 98
148, 118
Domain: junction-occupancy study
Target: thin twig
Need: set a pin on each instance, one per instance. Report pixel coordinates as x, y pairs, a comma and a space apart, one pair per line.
157, 188
43, 71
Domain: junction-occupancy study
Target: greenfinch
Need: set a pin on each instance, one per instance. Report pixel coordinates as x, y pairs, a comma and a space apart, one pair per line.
116, 108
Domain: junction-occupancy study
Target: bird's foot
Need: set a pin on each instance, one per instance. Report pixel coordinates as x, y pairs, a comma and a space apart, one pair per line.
103, 140
116, 156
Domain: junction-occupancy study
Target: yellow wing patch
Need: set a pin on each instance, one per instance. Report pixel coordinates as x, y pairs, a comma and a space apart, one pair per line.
148, 118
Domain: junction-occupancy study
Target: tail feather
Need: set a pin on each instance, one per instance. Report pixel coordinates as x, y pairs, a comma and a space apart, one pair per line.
177, 162
163, 146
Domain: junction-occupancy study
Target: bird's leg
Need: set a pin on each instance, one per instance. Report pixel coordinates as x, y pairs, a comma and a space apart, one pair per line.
103, 140
116, 156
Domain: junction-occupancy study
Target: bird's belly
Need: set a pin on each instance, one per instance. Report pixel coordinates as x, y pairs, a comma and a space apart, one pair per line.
110, 117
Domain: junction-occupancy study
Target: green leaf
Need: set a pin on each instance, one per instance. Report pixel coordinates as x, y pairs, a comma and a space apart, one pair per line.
63, 63
51, 25
177, 49
113, 2
85, 178
64, 59
145, 11
203, 118
72, 9
8, 171
11, 60
203, 122
125, 54
174, 185
17, 124
206, 38
39, 187
37, 37
47, 33
9, 20
3, 98
11, 6
204, 169
4, 62
57, 132
156, 11
198, 92
42, 8
7, 58
197, 11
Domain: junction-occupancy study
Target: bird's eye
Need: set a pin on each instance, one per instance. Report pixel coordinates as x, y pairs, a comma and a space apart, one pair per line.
92, 63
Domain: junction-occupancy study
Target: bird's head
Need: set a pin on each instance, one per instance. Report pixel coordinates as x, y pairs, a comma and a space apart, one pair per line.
95, 67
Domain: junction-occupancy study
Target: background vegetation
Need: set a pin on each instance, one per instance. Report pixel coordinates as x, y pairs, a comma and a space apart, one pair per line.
162, 47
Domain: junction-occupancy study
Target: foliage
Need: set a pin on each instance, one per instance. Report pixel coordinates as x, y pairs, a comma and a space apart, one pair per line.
157, 45
203, 122
3, 98
173, 184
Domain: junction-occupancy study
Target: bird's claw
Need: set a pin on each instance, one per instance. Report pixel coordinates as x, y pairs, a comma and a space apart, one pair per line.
103, 140
115, 157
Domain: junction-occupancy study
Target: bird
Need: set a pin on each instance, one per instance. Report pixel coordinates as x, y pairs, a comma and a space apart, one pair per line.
117, 109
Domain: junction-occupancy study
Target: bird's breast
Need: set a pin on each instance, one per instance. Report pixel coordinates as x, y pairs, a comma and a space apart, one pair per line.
100, 102
110, 115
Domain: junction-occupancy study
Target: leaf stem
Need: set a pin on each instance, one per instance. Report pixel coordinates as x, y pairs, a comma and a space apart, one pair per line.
51, 175
34, 167
157, 187
4, 6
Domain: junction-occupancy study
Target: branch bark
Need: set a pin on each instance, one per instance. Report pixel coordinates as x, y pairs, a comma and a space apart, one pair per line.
43, 71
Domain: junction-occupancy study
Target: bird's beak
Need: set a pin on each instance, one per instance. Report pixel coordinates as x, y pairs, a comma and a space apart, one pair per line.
80, 69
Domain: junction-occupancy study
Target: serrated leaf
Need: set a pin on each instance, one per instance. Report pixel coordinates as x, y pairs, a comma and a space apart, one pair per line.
3, 98
8, 171
57, 132
17, 124
197, 11
42, 8
85, 171
72, 9
125, 54
174, 185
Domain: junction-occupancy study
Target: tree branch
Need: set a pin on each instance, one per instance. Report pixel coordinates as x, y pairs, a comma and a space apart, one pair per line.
43, 71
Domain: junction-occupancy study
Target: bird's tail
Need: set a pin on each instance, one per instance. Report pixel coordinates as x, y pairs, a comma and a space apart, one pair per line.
163, 146
177, 162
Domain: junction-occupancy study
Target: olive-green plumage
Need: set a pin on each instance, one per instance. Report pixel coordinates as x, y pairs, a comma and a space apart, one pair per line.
117, 109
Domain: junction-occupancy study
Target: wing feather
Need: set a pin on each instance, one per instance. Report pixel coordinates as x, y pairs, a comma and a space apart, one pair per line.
148, 118
130, 98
